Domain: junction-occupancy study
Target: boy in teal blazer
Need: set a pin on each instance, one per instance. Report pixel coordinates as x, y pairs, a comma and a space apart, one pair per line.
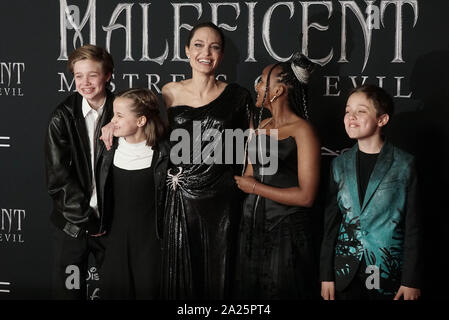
372, 233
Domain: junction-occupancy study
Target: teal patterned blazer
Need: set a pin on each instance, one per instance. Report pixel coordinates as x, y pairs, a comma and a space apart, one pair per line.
384, 229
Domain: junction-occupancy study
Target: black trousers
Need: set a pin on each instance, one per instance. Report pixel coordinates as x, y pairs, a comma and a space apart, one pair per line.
70, 264
357, 289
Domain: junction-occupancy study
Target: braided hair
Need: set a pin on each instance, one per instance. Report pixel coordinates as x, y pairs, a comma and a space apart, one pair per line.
295, 75
267, 86
145, 103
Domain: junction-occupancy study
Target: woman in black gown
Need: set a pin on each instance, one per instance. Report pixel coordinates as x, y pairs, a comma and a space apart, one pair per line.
276, 258
203, 202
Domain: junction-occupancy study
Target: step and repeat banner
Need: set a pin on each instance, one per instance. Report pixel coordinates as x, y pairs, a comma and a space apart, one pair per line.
401, 45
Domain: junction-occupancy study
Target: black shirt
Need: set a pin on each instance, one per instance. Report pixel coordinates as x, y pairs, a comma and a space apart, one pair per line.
365, 166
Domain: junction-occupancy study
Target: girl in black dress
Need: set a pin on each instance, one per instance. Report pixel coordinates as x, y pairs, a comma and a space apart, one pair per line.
135, 180
203, 202
276, 259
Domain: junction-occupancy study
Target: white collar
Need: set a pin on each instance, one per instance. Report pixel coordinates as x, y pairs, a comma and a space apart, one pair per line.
133, 156
87, 108
125, 144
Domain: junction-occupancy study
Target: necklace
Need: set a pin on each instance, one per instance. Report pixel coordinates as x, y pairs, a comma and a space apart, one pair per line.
269, 121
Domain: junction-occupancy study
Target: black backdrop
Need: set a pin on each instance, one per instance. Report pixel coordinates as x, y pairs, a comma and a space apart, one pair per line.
401, 44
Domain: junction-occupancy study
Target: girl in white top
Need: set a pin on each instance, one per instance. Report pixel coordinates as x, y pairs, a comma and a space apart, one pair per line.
131, 268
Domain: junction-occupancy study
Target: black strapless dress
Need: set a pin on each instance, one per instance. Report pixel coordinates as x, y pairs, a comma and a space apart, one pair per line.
203, 203
276, 259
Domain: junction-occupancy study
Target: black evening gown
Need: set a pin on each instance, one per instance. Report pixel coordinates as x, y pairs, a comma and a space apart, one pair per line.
131, 268
276, 258
203, 203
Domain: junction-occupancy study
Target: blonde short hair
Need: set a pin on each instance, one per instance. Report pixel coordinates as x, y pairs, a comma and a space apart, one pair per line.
94, 53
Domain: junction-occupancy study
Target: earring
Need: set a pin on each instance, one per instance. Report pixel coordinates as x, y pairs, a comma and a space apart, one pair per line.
274, 98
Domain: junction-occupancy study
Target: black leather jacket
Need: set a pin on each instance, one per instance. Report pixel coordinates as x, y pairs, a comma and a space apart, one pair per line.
159, 164
68, 167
